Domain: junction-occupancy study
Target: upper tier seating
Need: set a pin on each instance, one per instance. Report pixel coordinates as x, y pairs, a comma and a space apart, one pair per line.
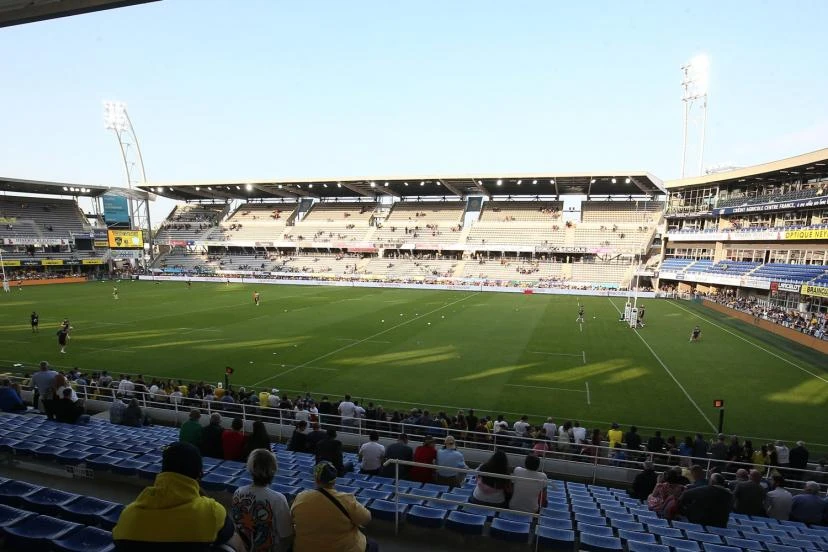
341, 213
675, 264
790, 272
521, 211
623, 238
412, 268
769, 198
333, 222
732, 268
512, 270
255, 222
317, 263
41, 217
616, 212
429, 223
190, 222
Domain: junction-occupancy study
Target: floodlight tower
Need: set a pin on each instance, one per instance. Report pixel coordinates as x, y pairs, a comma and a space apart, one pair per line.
116, 119
695, 80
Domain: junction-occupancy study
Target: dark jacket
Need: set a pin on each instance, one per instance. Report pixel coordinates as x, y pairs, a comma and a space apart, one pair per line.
298, 441
66, 411
314, 437
708, 505
749, 499
397, 451
330, 450
643, 484
798, 458
633, 440
211, 445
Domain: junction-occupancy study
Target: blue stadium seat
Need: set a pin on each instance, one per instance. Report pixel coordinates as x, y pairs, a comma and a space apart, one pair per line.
364, 484
346, 488
127, 467
778, 533
48, 452
215, 482
679, 544
555, 523
663, 531
426, 517
723, 531
744, 543
455, 496
468, 524
782, 548
560, 540
87, 539
511, 531
591, 520
285, 480
794, 524
385, 509
10, 516
426, 493
560, 514
709, 547
411, 501
522, 517
372, 493
799, 542
627, 525
601, 530
86, 510
149, 471
12, 492
35, 533
72, 457
761, 537
637, 546
708, 538
434, 487
382, 480
47, 501
597, 543
687, 526
635, 536
440, 505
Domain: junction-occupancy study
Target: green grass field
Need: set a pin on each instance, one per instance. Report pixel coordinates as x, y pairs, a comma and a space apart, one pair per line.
497, 353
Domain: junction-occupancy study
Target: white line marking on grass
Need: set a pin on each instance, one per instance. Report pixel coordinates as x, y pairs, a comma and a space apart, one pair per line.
370, 337
353, 339
587, 392
583, 353
817, 376
309, 367
553, 354
542, 387
581, 325
666, 369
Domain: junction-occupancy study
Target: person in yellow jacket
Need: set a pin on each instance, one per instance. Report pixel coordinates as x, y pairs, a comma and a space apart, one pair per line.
171, 514
326, 519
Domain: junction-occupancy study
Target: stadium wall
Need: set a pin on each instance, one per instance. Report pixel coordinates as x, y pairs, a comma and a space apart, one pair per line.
48, 281
353, 283
799, 337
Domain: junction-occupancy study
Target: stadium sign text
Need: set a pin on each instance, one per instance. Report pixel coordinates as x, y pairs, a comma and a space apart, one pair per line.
802, 203
814, 291
815, 234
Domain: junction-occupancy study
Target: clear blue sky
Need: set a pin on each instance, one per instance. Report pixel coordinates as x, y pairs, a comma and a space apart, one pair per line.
265, 88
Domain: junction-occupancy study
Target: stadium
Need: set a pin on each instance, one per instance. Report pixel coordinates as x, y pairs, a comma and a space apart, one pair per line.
505, 311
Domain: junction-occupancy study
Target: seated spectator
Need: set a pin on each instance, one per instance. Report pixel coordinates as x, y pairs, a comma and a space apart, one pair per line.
314, 437
133, 415
191, 430
424, 454
644, 482
330, 449
10, 401
299, 439
116, 411
449, 457
371, 454
233, 441
398, 451
808, 507
173, 513
529, 496
260, 514
491, 490
708, 504
664, 498
749, 496
327, 519
697, 477
259, 439
778, 501
67, 411
211, 444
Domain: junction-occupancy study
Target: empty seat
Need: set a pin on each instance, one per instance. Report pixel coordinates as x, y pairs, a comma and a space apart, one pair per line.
601, 530
10, 516
468, 524
426, 517
47, 501
215, 482
86, 510
478, 510
782, 548
687, 526
635, 536
627, 525
385, 509
555, 523
12, 492
555, 539
369, 493
591, 520
597, 543
744, 543
87, 539
637, 546
127, 466
679, 544
703, 537
516, 516
761, 537
709, 547
511, 531
427, 493
665, 531
72, 457
554, 513
37, 532
798, 542
723, 531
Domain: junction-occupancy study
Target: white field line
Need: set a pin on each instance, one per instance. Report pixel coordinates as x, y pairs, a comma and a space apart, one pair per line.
581, 325
669, 373
783, 359
354, 339
553, 354
308, 367
370, 337
583, 353
542, 387
587, 392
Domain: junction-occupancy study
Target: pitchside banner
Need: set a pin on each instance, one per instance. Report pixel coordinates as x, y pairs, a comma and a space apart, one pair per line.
799, 204
816, 234
814, 291
116, 210
126, 239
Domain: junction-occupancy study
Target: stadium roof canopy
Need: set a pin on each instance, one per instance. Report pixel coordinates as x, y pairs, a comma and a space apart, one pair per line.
808, 166
38, 187
621, 183
18, 12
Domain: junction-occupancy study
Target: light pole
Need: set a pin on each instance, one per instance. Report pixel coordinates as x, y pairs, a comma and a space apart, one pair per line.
694, 84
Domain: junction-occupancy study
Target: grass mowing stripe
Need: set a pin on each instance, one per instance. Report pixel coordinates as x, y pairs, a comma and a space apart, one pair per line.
669, 373
349, 345
542, 387
749, 342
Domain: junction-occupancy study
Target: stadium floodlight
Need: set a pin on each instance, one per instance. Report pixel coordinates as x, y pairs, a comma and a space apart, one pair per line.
249, 187
613, 180
627, 180
695, 84
373, 184
406, 183
500, 183
552, 181
115, 116
386, 184
518, 182
592, 181
534, 182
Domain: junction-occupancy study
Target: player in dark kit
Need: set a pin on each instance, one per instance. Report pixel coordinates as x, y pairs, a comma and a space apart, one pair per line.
640, 321
63, 338
696, 334
35, 321
580, 314
189, 284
